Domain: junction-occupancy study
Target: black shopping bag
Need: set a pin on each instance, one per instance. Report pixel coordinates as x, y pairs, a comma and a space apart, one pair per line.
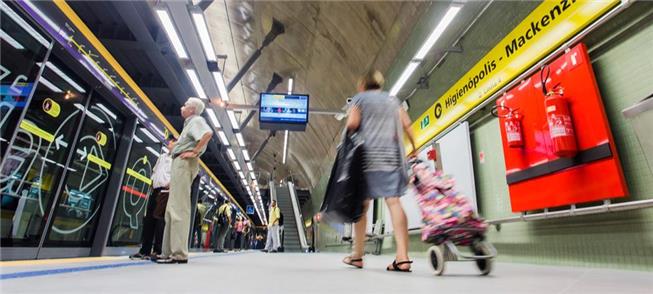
346, 190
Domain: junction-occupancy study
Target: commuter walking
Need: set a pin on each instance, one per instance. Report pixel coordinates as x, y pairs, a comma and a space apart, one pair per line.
153, 222
272, 244
379, 119
185, 166
221, 223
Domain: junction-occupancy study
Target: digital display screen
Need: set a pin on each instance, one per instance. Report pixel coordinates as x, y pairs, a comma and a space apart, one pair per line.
282, 108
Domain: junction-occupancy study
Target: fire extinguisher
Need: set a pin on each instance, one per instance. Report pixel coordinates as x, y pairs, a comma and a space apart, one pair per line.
512, 124
558, 116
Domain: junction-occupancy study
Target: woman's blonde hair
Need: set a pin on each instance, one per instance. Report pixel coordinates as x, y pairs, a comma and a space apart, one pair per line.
372, 80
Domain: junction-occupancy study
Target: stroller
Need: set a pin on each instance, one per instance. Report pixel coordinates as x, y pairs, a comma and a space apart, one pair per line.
449, 221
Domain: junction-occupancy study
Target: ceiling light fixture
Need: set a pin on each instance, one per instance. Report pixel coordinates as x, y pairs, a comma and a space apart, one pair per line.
170, 30
285, 147
241, 141
195, 80
223, 138
231, 154
236, 165
249, 166
245, 155
232, 119
290, 85
426, 47
214, 119
219, 81
22, 23
203, 32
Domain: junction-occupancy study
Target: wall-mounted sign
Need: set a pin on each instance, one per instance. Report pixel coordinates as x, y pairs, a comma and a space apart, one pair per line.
541, 32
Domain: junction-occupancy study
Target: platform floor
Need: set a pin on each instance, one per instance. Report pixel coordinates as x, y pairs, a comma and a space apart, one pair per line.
255, 272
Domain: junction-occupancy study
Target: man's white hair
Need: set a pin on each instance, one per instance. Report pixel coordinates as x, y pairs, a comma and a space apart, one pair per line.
197, 104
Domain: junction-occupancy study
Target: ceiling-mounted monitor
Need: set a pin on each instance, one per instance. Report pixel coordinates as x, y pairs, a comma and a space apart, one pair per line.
283, 111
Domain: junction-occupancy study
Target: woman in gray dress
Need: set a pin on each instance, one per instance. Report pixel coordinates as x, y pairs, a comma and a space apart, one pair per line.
381, 122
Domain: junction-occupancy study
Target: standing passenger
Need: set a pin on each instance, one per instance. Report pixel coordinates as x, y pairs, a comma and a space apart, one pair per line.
153, 223
221, 225
379, 119
185, 166
272, 244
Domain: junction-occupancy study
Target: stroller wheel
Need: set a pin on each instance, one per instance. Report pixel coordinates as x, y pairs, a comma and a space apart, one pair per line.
484, 265
436, 258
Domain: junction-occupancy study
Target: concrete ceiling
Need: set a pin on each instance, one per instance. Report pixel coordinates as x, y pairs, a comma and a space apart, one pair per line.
325, 48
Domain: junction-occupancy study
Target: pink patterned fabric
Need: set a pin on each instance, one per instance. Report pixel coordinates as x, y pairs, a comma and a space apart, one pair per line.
447, 214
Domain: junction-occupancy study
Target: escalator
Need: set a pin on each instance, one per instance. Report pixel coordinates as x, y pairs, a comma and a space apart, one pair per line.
292, 238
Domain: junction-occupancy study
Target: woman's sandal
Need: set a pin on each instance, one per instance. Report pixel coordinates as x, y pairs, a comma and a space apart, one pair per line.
395, 266
349, 260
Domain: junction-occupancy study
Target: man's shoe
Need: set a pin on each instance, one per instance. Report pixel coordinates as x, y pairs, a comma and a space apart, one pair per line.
218, 251
171, 261
264, 250
273, 251
136, 256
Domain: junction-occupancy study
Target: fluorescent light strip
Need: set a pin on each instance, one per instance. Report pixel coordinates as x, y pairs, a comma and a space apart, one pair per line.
11, 40
252, 175
246, 155
149, 135
285, 147
223, 138
152, 151
404, 77
213, 117
49, 84
170, 30
232, 119
203, 32
437, 32
232, 156
23, 24
236, 165
64, 77
137, 139
107, 111
244, 182
165, 149
290, 84
241, 175
249, 166
194, 79
426, 47
241, 141
219, 81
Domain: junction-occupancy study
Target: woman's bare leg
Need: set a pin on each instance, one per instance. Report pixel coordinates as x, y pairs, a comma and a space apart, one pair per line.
360, 230
400, 226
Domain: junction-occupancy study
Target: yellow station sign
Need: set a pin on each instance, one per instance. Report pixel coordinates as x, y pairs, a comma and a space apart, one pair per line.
546, 28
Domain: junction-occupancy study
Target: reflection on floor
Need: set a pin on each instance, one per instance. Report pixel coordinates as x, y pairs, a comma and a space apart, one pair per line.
254, 272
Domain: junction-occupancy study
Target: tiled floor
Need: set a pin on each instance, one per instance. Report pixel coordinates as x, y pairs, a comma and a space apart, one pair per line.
254, 272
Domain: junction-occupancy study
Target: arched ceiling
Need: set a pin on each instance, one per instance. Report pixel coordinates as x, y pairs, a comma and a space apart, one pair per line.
325, 47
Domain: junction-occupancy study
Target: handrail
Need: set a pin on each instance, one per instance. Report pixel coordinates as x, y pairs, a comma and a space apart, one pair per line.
299, 219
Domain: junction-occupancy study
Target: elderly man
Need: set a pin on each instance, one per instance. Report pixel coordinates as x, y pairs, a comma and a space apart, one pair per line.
185, 166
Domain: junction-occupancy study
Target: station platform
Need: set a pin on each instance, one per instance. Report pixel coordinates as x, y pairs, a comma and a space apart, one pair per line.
256, 272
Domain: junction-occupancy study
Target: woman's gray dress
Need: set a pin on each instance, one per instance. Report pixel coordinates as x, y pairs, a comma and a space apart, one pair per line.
384, 165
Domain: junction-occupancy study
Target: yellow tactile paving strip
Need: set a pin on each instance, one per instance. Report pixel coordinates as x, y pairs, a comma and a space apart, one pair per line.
58, 261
